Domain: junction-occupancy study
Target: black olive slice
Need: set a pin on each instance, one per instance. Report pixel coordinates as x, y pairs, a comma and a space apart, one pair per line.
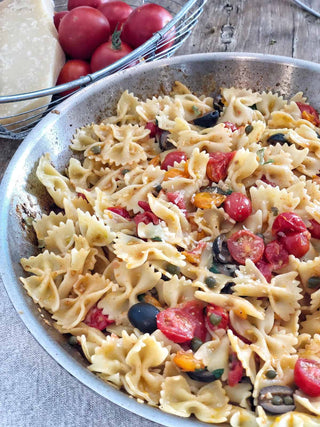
273, 399
205, 376
143, 316
208, 120
162, 140
221, 251
277, 137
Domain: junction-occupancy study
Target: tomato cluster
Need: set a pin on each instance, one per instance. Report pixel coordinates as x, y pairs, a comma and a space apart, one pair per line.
97, 33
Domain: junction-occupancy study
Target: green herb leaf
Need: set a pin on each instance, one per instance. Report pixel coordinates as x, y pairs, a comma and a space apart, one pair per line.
124, 171
196, 110
156, 239
96, 149
218, 373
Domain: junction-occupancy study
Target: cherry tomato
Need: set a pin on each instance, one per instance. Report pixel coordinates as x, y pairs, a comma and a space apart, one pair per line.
96, 319
143, 22
72, 70
230, 126
309, 113
238, 206
314, 229
307, 376
178, 199
264, 179
244, 245
276, 254
146, 218
108, 53
236, 371
297, 244
120, 211
82, 30
288, 222
72, 4
116, 12
57, 18
182, 323
144, 205
217, 166
153, 128
265, 268
172, 157
216, 318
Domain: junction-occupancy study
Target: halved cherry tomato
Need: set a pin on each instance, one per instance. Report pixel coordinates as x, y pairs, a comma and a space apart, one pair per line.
96, 319
309, 113
217, 166
178, 199
307, 376
144, 205
297, 244
146, 218
288, 222
182, 323
216, 318
314, 229
230, 126
172, 157
116, 12
120, 211
244, 245
236, 371
265, 268
238, 206
194, 256
276, 254
153, 128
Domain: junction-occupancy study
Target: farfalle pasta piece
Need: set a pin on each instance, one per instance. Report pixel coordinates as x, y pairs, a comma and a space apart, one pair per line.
242, 166
239, 394
94, 230
311, 325
84, 138
126, 110
215, 354
237, 106
79, 175
175, 291
240, 417
311, 404
293, 418
60, 238
46, 222
210, 404
270, 102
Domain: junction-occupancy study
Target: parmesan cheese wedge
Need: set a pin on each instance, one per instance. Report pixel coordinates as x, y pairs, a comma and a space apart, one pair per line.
30, 54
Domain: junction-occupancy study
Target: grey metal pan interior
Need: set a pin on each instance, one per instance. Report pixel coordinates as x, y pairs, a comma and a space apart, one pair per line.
21, 195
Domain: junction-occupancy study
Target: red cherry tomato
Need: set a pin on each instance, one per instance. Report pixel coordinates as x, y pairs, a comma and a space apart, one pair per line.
276, 254
244, 245
217, 166
144, 205
120, 211
265, 268
72, 70
146, 218
172, 157
238, 206
82, 30
297, 244
264, 179
216, 318
307, 376
116, 12
143, 22
230, 126
236, 371
153, 128
108, 53
178, 199
182, 323
309, 113
96, 319
288, 222
314, 229
57, 18
72, 4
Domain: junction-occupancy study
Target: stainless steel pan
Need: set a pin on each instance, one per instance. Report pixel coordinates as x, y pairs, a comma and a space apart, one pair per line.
22, 196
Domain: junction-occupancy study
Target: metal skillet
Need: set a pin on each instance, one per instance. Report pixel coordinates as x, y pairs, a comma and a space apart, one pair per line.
23, 196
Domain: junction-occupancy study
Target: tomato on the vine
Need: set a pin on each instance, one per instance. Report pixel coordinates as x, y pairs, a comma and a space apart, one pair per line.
216, 318
116, 12
82, 30
307, 376
72, 70
217, 166
238, 206
143, 22
276, 254
244, 245
288, 222
172, 157
309, 113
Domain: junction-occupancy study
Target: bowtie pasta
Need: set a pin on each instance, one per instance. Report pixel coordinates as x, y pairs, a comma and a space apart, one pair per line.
184, 257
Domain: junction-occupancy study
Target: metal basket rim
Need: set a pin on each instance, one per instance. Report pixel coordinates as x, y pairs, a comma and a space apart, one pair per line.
89, 78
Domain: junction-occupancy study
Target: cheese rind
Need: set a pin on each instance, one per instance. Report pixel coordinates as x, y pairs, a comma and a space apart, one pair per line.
30, 54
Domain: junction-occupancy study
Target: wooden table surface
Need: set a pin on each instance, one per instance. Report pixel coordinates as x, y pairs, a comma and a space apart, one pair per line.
263, 26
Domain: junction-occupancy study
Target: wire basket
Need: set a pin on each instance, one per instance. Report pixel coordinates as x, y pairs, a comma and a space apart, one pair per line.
185, 16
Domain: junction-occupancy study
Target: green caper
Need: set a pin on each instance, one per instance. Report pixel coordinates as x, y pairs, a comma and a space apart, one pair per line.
271, 374
140, 297
196, 343
73, 340
248, 129
172, 269
215, 319
210, 282
124, 171
313, 282
288, 400
277, 400
96, 149
156, 239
